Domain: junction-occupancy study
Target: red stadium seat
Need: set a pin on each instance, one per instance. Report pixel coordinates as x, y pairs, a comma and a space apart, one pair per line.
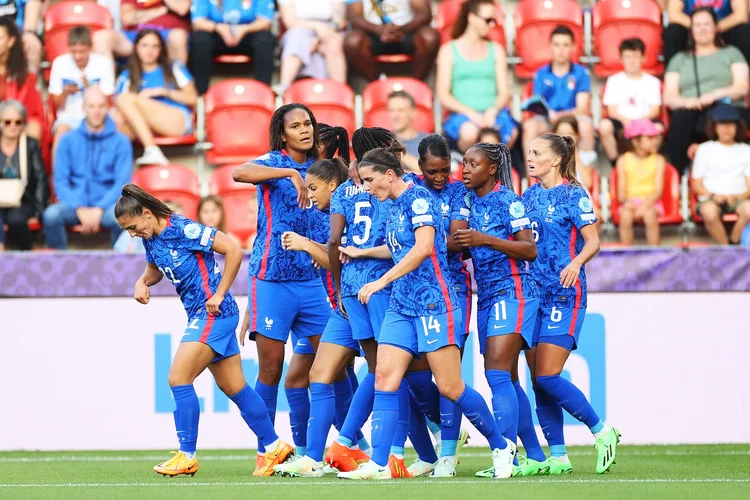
670, 197
173, 183
618, 20
526, 92
535, 20
235, 196
63, 16
448, 13
331, 102
232, 59
375, 102
230, 106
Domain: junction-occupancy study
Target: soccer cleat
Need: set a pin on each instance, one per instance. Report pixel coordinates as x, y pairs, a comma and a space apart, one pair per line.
366, 471
327, 469
463, 438
502, 460
486, 473
558, 466
398, 468
178, 464
606, 450
446, 467
278, 456
302, 467
421, 468
258, 462
344, 458
529, 467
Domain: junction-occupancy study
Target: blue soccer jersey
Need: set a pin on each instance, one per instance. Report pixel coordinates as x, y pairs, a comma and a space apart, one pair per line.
366, 218
501, 214
557, 216
453, 201
279, 212
155, 79
560, 91
183, 254
319, 229
427, 290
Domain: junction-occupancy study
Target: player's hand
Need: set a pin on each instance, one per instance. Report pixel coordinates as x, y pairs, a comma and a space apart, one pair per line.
369, 289
299, 185
212, 304
354, 172
351, 252
142, 292
569, 275
468, 238
293, 241
245, 327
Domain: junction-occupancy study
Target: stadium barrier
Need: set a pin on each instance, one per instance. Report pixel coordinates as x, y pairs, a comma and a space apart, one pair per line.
85, 366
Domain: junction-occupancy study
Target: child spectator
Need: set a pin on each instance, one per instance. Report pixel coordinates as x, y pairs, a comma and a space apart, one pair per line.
489, 135
211, 213
640, 181
171, 18
154, 97
566, 87
721, 174
629, 95
401, 111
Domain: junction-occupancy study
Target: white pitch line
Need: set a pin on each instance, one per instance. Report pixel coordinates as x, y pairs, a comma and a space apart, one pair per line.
420, 484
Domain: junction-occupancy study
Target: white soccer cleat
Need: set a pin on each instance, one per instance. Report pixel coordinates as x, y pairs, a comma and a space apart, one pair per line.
420, 468
446, 467
367, 471
502, 460
301, 467
327, 469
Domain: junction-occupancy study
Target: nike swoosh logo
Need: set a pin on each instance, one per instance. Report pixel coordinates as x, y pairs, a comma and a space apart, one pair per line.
497, 327
550, 327
432, 341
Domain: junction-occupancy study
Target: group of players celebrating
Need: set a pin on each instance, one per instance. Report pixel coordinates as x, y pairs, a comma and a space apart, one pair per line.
360, 258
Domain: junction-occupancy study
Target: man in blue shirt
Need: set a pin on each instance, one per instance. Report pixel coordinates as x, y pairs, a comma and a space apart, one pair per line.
566, 87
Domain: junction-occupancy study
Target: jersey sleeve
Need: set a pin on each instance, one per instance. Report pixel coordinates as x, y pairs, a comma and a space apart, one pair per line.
181, 74
149, 258
581, 208
460, 205
193, 236
584, 81
337, 202
422, 211
510, 212
199, 9
123, 82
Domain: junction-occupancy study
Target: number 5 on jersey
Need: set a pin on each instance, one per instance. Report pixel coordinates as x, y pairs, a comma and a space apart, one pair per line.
360, 218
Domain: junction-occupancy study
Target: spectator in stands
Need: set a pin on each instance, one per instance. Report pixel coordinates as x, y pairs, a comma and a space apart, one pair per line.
391, 27
732, 16
640, 181
313, 45
568, 125
231, 27
154, 97
171, 18
93, 162
112, 42
127, 244
71, 75
211, 213
18, 83
472, 79
566, 87
489, 135
401, 111
26, 15
721, 174
699, 78
21, 160
629, 95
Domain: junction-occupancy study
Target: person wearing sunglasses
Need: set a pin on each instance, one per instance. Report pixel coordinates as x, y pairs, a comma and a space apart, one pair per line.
24, 189
472, 79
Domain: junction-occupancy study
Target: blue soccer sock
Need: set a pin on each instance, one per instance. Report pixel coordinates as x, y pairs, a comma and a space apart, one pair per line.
478, 413
186, 416
270, 395
504, 403
384, 422
299, 414
419, 435
359, 411
526, 431
426, 393
254, 414
404, 418
322, 414
450, 423
571, 399
343, 393
352, 378
550, 416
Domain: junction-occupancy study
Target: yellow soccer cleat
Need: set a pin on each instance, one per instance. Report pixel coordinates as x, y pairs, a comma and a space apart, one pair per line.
273, 458
177, 465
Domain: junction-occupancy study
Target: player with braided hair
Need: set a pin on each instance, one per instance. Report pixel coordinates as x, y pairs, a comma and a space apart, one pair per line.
334, 141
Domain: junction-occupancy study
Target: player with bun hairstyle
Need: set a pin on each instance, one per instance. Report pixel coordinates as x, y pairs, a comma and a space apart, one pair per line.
563, 224
183, 251
334, 141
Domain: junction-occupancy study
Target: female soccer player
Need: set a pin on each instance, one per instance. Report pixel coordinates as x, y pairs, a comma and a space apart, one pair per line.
500, 240
275, 272
423, 315
563, 223
183, 251
334, 141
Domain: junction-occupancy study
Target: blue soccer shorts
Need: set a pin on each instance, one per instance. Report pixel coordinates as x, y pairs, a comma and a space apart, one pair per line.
278, 308
506, 317
218, 333
560, 326
421, 334
339, 332
465, 302
302, 346
366, 320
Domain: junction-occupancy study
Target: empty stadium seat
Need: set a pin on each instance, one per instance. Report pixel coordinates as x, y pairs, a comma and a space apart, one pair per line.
534, 21
230, 107
235, 196
331, 102
670, 197
375, 102
173, 183
448, 12
617, 20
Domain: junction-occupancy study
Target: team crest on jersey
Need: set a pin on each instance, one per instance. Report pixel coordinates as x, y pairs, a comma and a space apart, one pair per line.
445, 208
516, 209
192, 231
584, 203
269, 323
486, 224
467, 199
420, 206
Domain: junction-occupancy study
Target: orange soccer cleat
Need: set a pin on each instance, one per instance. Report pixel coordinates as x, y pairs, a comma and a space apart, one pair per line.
265, 463
178, 464
344, 458
398, 468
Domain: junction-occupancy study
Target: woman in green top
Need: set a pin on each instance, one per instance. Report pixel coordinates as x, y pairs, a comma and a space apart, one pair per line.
706, 74
472, 79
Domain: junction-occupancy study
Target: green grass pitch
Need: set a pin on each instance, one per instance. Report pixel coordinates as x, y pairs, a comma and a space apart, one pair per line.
682, 472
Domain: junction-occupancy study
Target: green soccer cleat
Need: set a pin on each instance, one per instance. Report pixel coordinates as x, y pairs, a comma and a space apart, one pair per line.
486, 473
529, 467
606, 450
558, 466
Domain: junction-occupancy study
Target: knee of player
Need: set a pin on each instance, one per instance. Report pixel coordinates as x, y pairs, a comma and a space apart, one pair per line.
451, 389
270, 373
176, 379
385, 381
